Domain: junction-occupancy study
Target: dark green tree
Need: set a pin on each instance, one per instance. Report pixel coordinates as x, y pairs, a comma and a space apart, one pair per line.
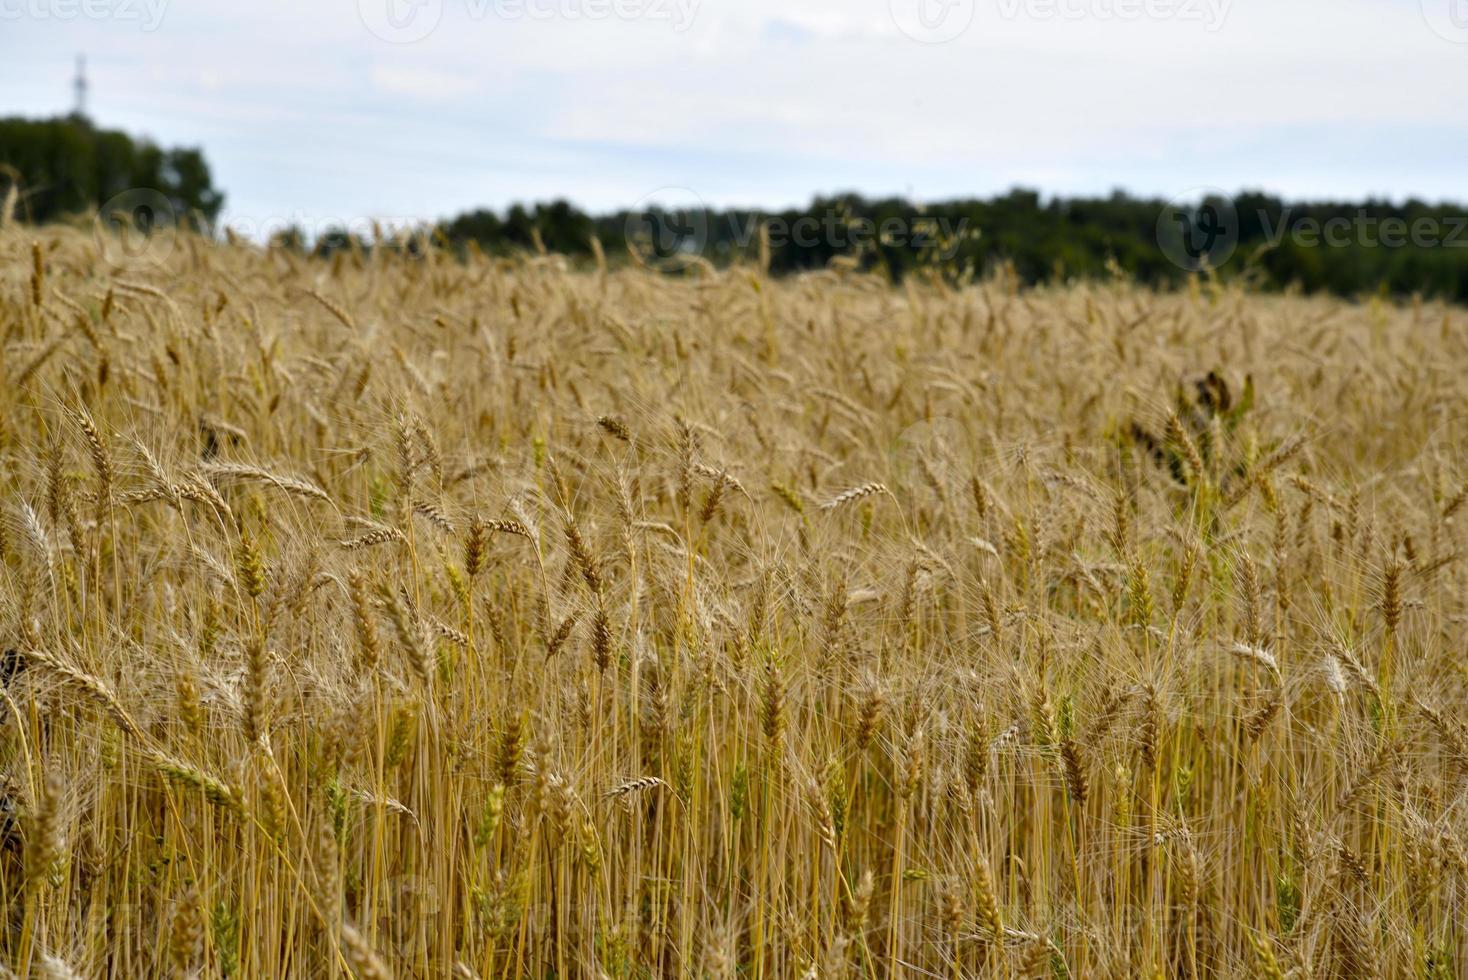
66, 166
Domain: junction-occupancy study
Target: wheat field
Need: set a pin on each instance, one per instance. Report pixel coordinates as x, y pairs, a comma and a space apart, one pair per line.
402, 615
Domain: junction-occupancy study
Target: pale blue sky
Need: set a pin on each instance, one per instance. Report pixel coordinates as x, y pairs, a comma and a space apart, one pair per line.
306, 114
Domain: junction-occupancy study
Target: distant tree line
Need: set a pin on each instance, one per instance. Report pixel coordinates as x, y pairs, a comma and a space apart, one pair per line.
1345, 248
66, 166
